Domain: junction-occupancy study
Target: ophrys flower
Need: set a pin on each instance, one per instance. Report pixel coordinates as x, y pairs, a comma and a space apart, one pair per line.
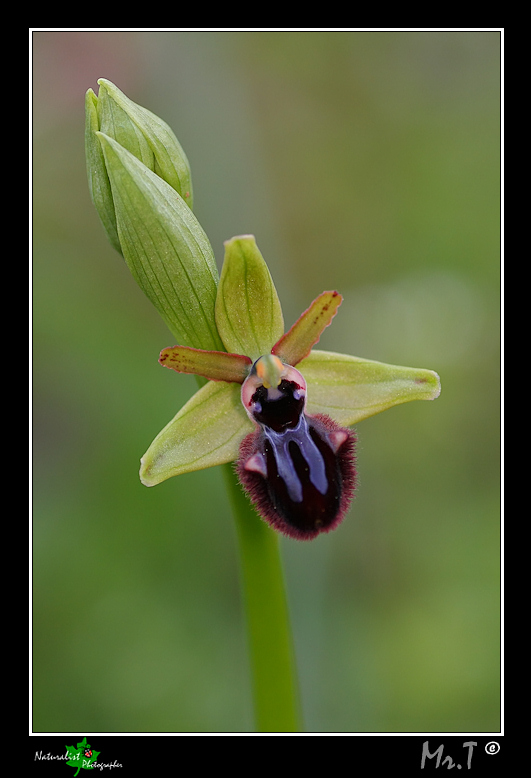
273, 403
286, 426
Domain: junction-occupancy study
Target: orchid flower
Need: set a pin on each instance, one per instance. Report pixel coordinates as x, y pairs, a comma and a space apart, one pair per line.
273, 404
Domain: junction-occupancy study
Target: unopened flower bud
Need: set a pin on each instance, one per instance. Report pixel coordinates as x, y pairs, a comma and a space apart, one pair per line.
138, 131
140, 183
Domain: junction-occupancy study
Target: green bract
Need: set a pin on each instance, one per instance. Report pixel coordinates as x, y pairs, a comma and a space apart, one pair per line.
140, 184
165, 247
139, 179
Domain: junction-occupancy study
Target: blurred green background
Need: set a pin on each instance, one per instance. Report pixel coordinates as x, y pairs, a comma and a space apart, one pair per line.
367, 162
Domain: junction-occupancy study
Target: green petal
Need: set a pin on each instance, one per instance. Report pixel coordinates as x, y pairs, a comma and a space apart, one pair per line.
214, 365
98, 180
146, 136
207, 431
165, 247
350, 389
248, 312
305, 333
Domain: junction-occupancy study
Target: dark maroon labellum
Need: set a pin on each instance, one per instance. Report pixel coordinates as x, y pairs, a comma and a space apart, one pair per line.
297, 469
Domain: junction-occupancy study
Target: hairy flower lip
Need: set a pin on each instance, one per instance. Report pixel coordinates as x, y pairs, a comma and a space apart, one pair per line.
298, 470
263, 492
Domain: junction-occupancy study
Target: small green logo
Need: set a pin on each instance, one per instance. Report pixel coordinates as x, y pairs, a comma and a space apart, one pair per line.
81, 757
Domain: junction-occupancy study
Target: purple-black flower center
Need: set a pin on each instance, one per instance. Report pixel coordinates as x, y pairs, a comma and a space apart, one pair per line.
279, 408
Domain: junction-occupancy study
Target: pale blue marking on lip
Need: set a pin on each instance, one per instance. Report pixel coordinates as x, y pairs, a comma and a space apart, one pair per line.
286, 469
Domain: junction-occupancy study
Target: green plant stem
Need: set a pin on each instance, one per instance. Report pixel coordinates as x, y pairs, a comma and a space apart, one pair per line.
275, 684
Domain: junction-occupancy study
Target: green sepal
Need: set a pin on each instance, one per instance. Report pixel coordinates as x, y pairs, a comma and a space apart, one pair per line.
207, 431
305, 333
248, 312
350, 389
165, 248
146, 136
214, 365
98, 180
